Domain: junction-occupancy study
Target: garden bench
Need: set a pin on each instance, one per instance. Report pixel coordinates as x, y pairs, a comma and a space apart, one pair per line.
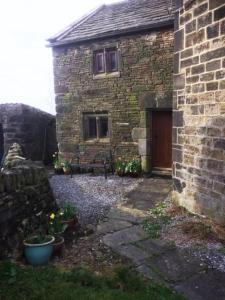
99, 162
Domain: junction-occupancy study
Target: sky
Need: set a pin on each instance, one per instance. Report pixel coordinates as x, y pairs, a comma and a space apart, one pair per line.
26, 71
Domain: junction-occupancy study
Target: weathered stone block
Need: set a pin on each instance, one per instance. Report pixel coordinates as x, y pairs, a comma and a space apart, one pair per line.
219, 13
179, 82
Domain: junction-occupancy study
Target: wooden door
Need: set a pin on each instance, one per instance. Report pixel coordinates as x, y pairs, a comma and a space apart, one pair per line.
162, 139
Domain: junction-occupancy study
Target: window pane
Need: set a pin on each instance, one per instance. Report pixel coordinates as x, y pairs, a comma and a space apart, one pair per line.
92, 128
103, 122
99, 62
113, 61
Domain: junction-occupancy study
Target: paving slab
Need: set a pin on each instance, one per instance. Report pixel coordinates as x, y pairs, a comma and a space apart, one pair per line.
150, 274
132, 252
205, 286
127, 215
112, 225
125, 236
155, 247
175, 265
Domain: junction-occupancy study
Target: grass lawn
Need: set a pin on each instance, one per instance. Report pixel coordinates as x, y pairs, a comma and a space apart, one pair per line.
46, 283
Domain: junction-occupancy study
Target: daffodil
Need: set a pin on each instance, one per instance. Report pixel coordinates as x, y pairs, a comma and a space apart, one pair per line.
52, 216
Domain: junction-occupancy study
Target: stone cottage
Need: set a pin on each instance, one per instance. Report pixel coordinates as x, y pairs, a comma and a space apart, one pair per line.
113, 83
32, 128
199, 107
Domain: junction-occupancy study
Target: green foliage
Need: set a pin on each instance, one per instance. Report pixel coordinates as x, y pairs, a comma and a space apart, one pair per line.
56, 225
156, 220
66, 165
57, 163
133, 167
120, 167
68, 211
48, 283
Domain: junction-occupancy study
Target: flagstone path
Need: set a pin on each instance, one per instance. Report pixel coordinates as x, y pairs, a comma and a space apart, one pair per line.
155, 258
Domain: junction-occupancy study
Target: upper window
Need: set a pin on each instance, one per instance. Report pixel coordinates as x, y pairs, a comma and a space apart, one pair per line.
96, 126
105, 61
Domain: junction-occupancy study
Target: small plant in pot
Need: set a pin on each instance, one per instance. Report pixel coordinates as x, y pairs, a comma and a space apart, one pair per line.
57, 164
38, 249
56, 229
67, 167
133, 168
120, 167
69, 214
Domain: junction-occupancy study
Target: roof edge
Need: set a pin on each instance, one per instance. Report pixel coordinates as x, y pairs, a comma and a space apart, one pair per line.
62, 33
115, 33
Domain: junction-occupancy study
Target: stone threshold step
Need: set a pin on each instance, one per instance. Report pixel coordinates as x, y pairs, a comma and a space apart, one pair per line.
167, 172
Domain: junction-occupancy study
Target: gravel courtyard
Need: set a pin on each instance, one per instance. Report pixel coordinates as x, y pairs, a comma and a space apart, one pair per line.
92, 195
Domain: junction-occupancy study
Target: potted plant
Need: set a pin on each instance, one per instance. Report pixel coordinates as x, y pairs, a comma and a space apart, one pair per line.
69, 214
67, 167
120, 167
38, 249
57, 228
133, 168
57, 164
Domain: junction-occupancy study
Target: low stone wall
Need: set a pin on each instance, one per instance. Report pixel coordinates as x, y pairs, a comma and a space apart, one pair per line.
33, 129
25, 200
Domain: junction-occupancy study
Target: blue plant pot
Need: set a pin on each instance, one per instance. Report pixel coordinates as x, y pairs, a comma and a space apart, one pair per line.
39, 254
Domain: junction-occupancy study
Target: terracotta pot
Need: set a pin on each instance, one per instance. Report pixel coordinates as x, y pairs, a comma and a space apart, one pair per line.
66, 171
58, 170
134, 175
120, 173
58, 245
72, 222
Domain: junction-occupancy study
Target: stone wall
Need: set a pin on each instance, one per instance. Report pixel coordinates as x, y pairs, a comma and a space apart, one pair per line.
144, 82
33, 129
25, 199
199, 107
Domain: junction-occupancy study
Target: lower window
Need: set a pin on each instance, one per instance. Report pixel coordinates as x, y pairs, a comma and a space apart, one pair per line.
96, 126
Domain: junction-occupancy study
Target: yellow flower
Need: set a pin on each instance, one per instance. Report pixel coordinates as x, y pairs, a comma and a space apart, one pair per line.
61, 213
52, 216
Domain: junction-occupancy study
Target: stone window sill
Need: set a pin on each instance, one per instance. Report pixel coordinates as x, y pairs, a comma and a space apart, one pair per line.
94, 141
106, 75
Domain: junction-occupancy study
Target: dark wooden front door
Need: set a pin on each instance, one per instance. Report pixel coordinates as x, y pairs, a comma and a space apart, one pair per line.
162, 139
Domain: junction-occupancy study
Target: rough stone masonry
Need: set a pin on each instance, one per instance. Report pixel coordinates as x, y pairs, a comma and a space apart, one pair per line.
25, 200
143, 83
32, 128
199, 107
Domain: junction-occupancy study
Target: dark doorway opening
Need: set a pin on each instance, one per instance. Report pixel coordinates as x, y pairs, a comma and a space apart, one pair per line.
1, 143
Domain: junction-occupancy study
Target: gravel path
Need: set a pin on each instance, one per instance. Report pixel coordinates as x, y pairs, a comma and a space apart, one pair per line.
92, 195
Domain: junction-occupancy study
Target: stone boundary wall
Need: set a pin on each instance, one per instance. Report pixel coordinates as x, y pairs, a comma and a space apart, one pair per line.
199, 107
33, 129
25, 199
